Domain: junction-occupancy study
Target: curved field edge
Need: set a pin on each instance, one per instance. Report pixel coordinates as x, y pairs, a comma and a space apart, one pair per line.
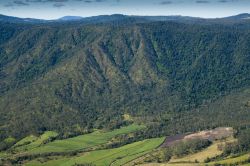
114, 157
31, 142
76, 143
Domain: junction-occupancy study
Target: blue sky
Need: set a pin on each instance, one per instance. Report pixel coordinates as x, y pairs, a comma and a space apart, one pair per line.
51, 9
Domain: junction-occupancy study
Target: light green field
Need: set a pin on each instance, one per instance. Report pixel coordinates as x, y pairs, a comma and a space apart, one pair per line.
115, 157
233, 160
175, 164
75, 143
246, 164
228, 161
26, 140
35, 142
210, 152
9, 140
2, 154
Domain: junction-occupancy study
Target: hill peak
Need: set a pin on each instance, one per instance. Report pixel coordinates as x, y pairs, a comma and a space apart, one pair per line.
69, 18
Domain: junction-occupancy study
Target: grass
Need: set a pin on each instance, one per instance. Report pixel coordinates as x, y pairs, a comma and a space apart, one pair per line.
233, 160
10, 140
26, 140
172, 164
80, 142
3, 154
246, 164
211, 151
191, 159
114, 157
34, 142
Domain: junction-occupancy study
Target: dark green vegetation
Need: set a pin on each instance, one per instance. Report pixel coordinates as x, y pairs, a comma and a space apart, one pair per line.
72, 78
241, 146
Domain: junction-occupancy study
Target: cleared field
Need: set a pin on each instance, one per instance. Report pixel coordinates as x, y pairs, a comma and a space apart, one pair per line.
115, 157
233, 160
26, 140
31, 142
246, 164
224, 135
79, 142
211, 151
2, 155
176, 164
212, 135
184, 161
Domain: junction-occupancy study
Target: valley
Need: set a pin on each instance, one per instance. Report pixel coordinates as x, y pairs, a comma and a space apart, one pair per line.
94, 149
125, 90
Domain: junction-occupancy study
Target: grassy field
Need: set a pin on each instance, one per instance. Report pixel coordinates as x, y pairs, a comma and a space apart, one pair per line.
184, 161
84, 141
76, 143
173, 164
114, 157
26, 140
2, 154
229, 161
211, 151
32, 142
233, 160
246, 164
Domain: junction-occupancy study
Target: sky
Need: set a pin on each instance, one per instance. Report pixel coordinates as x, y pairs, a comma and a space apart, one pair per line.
53, 9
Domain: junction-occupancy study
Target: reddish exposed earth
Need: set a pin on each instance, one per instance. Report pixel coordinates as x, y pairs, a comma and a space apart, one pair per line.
215, 134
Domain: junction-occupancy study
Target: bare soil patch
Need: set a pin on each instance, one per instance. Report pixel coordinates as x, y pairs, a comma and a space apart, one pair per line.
215, 134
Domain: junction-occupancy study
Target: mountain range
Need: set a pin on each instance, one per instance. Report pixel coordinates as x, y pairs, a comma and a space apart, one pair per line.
174, 74
105, 18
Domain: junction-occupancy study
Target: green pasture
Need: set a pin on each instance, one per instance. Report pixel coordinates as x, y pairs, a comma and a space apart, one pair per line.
115, 157
75, 143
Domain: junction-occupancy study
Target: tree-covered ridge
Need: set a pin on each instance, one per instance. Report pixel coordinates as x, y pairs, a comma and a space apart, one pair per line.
73, 78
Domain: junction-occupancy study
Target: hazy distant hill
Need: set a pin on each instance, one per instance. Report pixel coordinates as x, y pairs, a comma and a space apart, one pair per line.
4, 18
240, 16
120, 17
70, 18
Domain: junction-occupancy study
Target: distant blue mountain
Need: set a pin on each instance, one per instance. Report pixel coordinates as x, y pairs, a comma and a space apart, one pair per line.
70, 18
20, 20
125, 18
239, 16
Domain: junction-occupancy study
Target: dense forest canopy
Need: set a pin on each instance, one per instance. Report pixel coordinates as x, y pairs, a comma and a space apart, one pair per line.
174, 76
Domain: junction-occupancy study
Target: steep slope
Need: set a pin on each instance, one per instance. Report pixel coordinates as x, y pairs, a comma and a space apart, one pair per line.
73, 78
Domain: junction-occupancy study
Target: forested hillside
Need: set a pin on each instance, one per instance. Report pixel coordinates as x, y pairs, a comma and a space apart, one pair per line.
72, 78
